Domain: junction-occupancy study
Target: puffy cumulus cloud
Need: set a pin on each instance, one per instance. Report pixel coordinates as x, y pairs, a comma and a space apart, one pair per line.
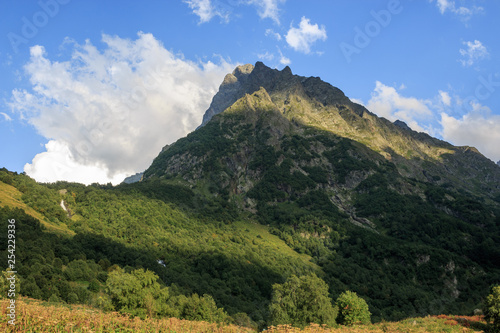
206, 10
478, 128
464, 13
302, 38
386, 102
473, 52
268, 9
58, 163
113, 109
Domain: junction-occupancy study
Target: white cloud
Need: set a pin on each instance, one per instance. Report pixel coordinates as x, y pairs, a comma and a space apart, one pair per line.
6, 116
275, 35
268, 8
302, 38
58, 163
284, 60
266, 56
445, 98
463, 12
206, 11
478, 128
358, 101
113, 109
386, 102
475, 51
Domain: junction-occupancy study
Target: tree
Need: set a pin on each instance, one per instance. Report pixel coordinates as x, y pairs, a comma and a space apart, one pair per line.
203, 308
301, 301
137, 293
352, 309
492, 308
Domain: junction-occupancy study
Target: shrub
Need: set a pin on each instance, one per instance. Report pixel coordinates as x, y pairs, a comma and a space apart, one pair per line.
352, 309
492, 308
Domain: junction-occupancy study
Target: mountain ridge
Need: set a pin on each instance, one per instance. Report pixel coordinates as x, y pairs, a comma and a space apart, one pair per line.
317, 103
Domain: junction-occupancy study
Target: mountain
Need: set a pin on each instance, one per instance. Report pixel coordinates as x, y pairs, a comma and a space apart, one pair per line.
286, 176
397, 215
294, 103
315, 103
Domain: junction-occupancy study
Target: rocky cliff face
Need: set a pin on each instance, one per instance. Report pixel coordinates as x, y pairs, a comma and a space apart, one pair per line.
134, 178
313, 102
247, 79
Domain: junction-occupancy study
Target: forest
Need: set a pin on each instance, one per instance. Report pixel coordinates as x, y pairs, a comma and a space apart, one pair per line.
160, 249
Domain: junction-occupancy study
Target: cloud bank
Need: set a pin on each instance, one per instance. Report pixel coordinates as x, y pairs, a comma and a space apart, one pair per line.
108, 113
386, 102
451, 118
478, 128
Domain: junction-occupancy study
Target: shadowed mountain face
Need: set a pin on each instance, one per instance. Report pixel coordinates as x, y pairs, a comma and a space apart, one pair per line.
375, 203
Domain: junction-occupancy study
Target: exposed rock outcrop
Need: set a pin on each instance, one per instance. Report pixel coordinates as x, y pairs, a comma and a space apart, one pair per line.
134, 178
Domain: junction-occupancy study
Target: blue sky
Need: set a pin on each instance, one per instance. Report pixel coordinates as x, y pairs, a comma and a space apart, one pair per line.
90, 91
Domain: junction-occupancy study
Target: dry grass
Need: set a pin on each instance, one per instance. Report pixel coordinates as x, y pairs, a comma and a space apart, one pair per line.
450, 324
36, 316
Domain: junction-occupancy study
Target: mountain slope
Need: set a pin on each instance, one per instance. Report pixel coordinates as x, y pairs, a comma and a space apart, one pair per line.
318, 104
398, 216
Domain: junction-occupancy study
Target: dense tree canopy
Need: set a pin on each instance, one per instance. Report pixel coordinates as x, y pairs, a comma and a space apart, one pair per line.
301, 301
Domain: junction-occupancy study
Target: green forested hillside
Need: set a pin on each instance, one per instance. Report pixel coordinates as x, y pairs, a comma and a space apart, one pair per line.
234, 261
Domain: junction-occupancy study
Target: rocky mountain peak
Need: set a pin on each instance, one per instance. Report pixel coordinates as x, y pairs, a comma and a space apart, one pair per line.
314, 103
247, 79
402, 124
